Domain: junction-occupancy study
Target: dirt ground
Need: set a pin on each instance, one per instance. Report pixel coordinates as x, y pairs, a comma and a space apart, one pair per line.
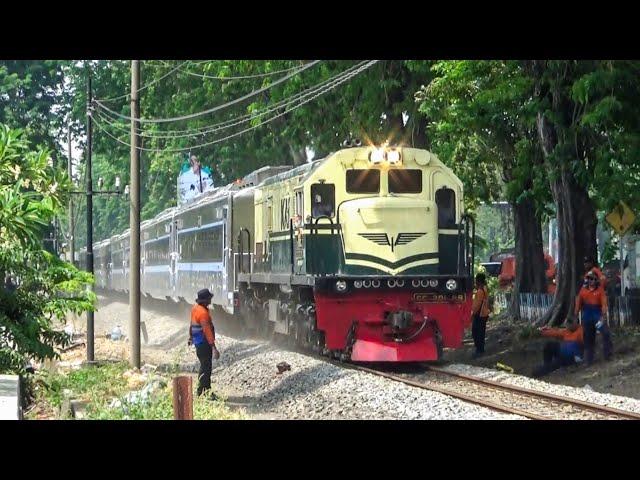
166, 326
504, 344
164, 334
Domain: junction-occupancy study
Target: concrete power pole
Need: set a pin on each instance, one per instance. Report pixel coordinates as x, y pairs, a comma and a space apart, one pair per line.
90, 318
134, 219
72, 244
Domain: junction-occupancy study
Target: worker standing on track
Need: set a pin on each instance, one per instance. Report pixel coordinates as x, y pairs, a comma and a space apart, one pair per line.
480, 314
202, 336
592, 303
561, 354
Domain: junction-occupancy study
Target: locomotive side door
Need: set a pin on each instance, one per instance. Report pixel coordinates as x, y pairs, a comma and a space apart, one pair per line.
173, 255
227, 264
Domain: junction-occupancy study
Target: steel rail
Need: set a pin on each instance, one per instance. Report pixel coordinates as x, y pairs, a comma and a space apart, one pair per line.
539, 394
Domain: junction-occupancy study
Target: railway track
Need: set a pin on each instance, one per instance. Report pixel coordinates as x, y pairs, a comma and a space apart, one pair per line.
532, 404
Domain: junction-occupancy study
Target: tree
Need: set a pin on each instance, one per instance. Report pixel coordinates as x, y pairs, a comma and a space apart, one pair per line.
589, 133
31, 193
482, 123
376, 105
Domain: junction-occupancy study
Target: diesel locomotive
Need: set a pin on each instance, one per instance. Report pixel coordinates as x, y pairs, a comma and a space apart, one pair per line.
365, 255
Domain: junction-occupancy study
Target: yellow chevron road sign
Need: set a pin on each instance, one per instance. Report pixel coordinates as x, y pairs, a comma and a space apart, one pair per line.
621, 218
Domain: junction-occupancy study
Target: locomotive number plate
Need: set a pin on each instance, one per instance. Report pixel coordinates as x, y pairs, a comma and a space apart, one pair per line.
438, 297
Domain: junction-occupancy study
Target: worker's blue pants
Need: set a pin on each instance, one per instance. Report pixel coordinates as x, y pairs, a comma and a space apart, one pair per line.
590, 316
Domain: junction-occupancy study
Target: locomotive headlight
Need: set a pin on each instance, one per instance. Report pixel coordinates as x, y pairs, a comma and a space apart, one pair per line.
366, 283
357, 284
341, 286
377, 156
433, 283
451, 284
375, 283
415, 283
391, 283
400, 283
393, 157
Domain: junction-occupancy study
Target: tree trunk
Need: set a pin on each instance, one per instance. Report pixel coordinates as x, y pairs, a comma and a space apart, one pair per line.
529, 254
576, 228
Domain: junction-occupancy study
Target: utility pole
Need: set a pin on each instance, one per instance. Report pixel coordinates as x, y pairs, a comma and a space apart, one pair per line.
72, 230
134, 219
90, 352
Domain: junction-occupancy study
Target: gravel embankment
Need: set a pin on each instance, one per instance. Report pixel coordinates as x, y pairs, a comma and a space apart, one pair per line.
314, 389
585, 394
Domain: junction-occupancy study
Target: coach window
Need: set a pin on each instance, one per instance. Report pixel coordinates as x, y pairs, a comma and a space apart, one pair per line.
363, 181
405, 181
446, 203
323, 200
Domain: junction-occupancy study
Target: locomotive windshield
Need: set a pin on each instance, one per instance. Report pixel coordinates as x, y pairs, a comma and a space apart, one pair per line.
446, 202
363, 181
323, 200
405, 181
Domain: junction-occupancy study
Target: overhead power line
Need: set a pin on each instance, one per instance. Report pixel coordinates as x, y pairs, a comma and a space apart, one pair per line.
240, 77
214, 109
126, 95
176, 134
235, 134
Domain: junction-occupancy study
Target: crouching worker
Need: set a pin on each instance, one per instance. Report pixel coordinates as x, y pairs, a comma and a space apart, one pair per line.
202, 336
591, 302
568, 351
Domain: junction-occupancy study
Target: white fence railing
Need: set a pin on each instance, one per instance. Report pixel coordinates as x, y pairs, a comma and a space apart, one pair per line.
533, 306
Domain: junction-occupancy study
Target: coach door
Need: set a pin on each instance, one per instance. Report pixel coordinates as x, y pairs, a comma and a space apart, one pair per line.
227, 264
171, 229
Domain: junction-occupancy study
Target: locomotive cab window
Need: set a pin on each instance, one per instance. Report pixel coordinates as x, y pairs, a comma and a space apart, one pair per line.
363, 181
323, 200
446, 203
405, 181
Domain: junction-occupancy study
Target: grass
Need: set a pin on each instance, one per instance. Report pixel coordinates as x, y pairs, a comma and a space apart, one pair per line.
100, 385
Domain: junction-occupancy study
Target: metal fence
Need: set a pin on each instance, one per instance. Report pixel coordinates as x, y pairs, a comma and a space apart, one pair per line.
622, 310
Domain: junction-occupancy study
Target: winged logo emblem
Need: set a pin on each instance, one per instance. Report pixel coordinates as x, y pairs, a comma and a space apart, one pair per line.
384, 240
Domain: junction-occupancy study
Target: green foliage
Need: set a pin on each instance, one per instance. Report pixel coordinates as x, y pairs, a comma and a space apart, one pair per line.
99, 385
30, 195
369, 106
93, 383
31, 98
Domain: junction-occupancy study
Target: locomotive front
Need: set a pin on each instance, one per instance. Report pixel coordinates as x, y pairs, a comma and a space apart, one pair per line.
390, 251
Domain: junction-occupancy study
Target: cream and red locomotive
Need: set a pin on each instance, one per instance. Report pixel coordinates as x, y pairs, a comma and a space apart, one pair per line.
364, 255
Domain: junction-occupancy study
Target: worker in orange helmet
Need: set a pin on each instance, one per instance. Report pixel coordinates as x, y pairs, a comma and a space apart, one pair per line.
590, 265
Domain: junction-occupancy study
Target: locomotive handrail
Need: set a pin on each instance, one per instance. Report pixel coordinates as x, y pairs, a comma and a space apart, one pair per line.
291, 244
458, 269
241, 250
469, 241
473, 245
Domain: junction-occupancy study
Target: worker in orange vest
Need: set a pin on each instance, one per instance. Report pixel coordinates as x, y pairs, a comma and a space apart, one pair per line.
202, 336
591, 302
561, 354
480, 314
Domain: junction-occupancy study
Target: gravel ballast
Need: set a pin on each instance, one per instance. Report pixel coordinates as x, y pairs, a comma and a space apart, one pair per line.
314, 389
585, 394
